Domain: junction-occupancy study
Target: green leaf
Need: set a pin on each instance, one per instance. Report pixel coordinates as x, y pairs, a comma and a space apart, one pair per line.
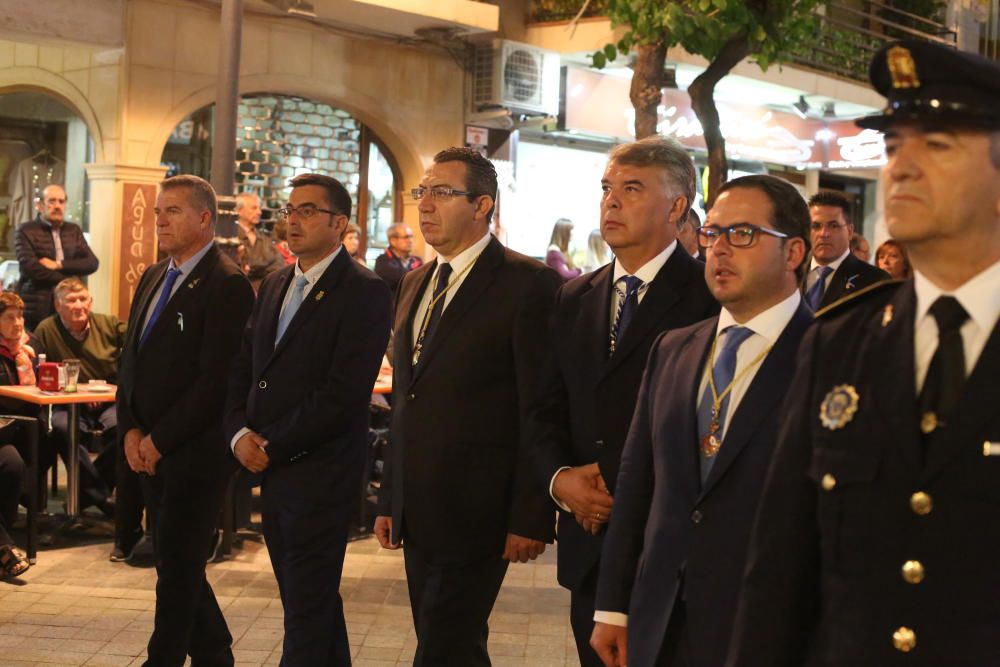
610, 52
600, 60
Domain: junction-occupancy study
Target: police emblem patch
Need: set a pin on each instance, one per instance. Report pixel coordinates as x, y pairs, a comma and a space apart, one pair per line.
838, 407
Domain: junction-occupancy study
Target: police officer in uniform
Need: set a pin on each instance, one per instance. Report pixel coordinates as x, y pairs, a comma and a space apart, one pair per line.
878, 536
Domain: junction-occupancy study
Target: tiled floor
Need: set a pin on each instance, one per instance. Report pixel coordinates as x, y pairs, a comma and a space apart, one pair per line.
74, 607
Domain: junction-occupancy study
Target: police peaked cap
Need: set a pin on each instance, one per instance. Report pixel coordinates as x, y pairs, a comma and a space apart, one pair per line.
930, 82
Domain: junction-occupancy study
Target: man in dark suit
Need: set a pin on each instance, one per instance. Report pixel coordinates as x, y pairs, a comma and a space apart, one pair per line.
877, 535
458, 488
701, 440
596, 357
49, 250
298, 412
834, 271
188, 311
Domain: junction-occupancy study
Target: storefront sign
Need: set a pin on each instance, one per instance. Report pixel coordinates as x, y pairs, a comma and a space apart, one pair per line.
751, 132
138, 244
476, 136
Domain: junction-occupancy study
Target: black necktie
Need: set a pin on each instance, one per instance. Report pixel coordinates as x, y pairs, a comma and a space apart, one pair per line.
437, 301
946, 374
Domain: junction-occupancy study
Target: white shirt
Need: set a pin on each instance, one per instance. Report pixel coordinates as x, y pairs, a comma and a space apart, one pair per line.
980, 297
312, 275
186, 268
813, 274
767, 328
461, 267
646, 273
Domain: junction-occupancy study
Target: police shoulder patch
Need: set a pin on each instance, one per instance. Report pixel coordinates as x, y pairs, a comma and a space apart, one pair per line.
854, 298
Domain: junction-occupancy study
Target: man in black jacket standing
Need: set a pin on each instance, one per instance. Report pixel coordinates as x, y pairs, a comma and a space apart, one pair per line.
49, 249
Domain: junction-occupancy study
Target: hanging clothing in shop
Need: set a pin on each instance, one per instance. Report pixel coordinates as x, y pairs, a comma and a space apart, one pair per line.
27, 181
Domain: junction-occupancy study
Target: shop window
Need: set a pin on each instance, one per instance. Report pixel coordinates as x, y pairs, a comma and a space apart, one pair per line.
279, 137
42, 141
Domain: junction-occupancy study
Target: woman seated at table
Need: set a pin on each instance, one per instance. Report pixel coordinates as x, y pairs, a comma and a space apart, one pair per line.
17, 366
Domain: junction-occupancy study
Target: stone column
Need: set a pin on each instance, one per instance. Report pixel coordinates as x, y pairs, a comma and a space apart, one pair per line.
122, 233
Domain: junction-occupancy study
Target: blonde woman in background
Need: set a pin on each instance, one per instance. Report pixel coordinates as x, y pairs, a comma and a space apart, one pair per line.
598, 253
558, 255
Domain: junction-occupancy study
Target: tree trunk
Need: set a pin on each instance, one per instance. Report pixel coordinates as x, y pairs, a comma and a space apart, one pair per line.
646, 91
702, 93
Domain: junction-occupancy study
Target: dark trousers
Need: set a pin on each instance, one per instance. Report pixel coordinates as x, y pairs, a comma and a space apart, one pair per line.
675, 650
128, 498
581, 618
188, 620
451, 605
11, 473
306, 539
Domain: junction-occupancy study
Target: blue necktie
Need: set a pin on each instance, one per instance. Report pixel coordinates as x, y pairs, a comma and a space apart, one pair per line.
161, 303
815, 294
291, 307
722, 373
444, 273
627, 306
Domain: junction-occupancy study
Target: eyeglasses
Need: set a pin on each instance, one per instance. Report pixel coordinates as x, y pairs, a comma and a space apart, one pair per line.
402, 236
741, 235
828, 226
438, 192
304, 212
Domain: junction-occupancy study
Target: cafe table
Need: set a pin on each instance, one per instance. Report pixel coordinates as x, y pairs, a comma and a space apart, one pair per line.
86, 393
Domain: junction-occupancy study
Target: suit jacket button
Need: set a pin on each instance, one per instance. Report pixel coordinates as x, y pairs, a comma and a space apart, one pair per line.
262, 384
921, 503
829, 482
904, 639
410, 397
913, 572
599, 443
696, 516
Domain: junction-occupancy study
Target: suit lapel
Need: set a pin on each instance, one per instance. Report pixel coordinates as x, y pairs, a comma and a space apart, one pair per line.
406, 311
660, 297
326, 283
763, 396
191, 287
155, 278
269, 313
479, 278
687, 380
973, 413
844, 281
595, 311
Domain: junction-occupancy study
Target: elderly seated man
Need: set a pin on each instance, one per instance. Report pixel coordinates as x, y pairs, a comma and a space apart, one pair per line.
74, 332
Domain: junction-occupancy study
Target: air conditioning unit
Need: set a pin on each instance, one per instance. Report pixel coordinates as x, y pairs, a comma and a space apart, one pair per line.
519, 77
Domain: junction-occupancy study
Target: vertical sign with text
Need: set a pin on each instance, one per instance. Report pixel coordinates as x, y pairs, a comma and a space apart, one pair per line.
138, 246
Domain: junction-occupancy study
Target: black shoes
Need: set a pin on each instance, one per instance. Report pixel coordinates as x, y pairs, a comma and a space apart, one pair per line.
123, 551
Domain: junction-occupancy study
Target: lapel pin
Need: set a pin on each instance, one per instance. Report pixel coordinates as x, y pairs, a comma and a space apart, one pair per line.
180, 321
850, 281
887, 315
193, 283
838, 407
929, 422
319, 295
991, 448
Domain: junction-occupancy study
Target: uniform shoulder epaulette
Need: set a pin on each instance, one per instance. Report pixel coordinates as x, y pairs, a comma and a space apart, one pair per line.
856, 297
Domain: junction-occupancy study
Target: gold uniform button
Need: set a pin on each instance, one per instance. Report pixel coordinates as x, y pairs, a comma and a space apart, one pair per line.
921, 503
829, 482
913, 572
904, 639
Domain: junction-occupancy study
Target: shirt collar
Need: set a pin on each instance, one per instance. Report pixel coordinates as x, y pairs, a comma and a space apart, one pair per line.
83, 334
463, 259
647, 271
980, 296
317, 269
835, 264
189, 264
768, 324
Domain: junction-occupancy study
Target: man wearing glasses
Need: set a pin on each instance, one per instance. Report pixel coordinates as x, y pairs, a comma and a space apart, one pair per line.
397, 260
701, 440
458, 490
834, 271
297, 411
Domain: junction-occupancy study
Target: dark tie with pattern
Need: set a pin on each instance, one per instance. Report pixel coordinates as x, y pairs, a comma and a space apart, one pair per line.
946, 373
627, 306
437, 299
161, 303
815, 294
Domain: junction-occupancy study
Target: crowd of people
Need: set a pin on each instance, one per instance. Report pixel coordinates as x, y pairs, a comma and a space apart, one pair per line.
755, 450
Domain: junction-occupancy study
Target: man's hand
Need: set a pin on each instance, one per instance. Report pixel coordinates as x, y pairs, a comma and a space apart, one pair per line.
50, 264
383, 532
583, 490
131, 444
249, 451
149, 454
609, 643
592, 527
522, 549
